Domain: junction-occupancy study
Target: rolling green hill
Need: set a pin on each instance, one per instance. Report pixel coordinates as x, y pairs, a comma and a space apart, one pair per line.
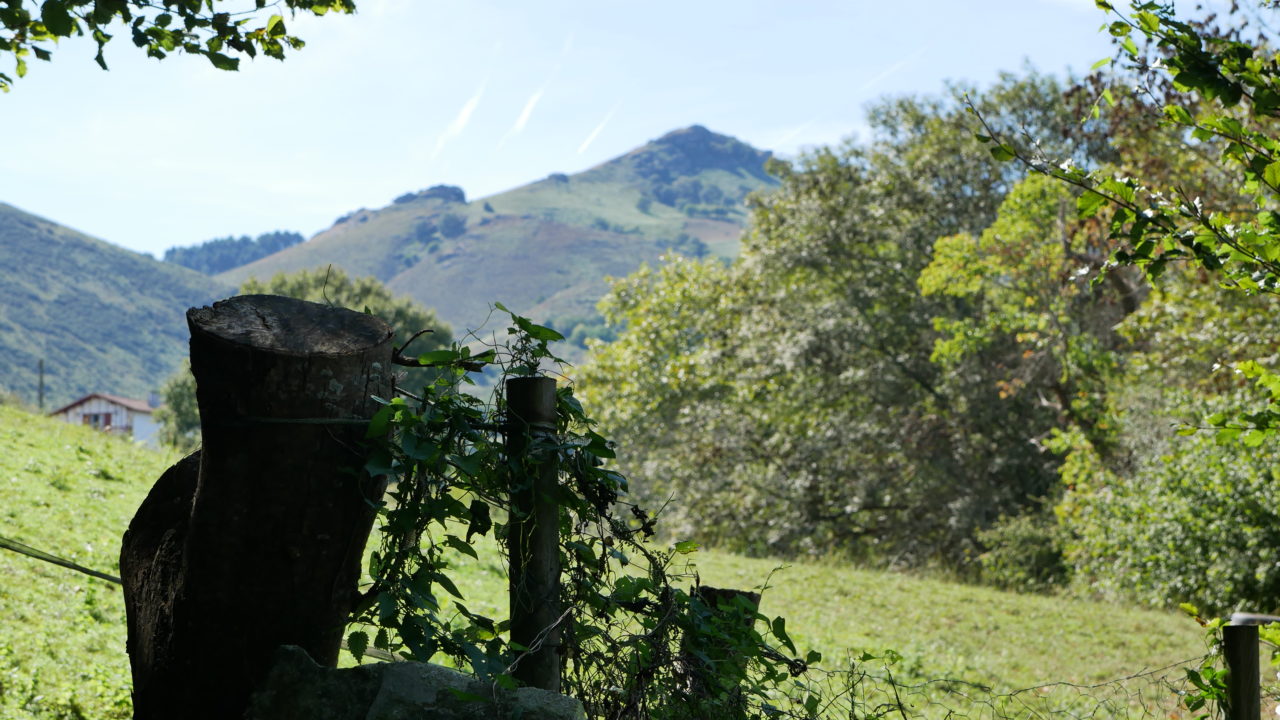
103, 318
544, 249
71, 491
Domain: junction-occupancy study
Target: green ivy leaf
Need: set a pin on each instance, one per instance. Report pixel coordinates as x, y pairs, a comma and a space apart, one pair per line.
535, 331
1088, 204
55, 17
779, 627
388, 611
1178, 114
458, 544
599, 446
275, 26
439, 357
223, 62
1254, 438
1002, 152
1272, 174
357, 643
504, 681
443, 581
380, 422
468, 464
479, 523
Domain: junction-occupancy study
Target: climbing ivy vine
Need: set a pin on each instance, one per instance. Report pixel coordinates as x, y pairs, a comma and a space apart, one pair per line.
630, 633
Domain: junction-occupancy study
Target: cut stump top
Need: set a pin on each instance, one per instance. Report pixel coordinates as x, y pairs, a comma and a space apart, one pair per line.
289, 326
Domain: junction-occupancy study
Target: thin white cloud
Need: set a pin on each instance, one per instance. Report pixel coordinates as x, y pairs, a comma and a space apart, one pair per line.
527, 111
459, 123
890, 71
599, 129
523, 119
791, 134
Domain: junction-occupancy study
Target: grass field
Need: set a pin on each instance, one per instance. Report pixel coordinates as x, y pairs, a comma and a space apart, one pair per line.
70, 491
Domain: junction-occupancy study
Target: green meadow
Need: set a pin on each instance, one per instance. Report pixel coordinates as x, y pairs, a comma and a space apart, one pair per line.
71, 491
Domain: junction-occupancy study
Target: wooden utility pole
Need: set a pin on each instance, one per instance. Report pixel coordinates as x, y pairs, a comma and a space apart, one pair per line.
534, 532
256, 540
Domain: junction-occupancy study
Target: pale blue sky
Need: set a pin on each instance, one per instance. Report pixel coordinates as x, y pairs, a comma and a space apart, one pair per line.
478, 93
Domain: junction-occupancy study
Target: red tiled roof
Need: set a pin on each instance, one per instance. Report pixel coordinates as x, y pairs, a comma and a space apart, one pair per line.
134, 405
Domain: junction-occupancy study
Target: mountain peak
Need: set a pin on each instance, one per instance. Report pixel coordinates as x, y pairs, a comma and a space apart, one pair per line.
691, 150
695, 133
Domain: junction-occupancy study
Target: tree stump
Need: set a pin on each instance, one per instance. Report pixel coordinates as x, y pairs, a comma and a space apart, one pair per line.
257, 540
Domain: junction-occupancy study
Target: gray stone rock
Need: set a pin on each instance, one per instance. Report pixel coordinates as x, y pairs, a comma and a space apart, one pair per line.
299, 689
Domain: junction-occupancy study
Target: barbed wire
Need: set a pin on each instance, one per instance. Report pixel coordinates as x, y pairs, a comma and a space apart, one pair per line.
874, 693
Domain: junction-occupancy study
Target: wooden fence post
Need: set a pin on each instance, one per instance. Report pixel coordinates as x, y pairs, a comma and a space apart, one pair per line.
1244, 691
534, 532
257, 540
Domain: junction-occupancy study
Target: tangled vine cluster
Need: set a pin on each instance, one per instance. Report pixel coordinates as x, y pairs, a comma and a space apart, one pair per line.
634, 643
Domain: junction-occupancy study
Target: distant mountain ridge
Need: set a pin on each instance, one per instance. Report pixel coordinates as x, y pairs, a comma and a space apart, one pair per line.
544, 249
104, 319
222, 254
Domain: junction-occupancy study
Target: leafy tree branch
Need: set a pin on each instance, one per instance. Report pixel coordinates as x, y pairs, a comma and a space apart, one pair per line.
223, 31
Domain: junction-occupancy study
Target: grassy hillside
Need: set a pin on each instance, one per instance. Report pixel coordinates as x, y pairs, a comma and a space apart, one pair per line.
544, 249
71, 491
103, 318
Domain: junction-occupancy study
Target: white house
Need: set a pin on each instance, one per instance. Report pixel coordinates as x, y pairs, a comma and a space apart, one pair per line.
113, 414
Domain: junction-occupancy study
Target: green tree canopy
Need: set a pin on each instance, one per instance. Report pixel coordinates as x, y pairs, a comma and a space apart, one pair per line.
788, 403
1146, 514
216, 29
1220, 96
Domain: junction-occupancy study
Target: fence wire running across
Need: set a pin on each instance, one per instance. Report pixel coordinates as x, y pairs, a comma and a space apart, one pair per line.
871, 691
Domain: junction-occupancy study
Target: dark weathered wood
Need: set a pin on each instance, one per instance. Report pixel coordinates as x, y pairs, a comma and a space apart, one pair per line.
1244, 684
533, 536
150, 560
275, 526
